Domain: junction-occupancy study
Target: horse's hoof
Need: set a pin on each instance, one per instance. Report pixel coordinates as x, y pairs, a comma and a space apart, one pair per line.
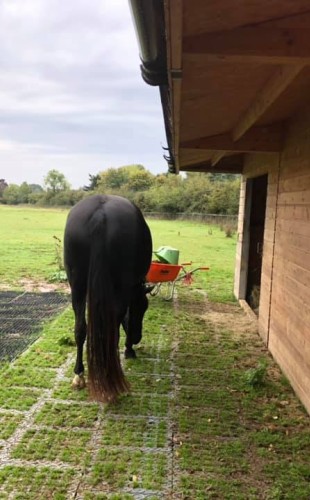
78, 382
130, 354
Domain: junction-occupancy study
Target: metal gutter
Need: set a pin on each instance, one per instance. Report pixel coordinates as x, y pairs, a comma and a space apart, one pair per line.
149, 21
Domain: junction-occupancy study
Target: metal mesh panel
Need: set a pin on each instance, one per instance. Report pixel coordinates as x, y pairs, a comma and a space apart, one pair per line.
21, 318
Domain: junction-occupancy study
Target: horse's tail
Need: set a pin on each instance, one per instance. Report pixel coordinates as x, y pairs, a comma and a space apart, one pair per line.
105, 374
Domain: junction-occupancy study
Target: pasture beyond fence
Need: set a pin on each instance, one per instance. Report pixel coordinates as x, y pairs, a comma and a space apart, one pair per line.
217, 219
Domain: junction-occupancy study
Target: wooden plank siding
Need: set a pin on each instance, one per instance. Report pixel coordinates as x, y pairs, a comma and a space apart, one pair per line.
240, 236
284, 310
289, 332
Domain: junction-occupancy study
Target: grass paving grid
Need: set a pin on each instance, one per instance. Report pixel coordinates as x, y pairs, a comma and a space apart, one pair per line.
191, 429
21, 317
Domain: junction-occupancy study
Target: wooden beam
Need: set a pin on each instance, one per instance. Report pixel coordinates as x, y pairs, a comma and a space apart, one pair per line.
217, 157
176, 106
259, 139
265, 98
208, 169
176, 22
228, 165
174, 16
258, 44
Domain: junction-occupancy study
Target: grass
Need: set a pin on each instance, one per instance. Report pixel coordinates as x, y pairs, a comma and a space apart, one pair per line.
54, 444
28, 232
210, 416
8, 425
137, 469
19, 398
30, 483
67, 415
25, 233
149, 432
193, 424
214, 251
28, 376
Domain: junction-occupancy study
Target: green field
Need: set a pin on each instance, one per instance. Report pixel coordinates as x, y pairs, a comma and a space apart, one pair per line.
29, 252
27, 244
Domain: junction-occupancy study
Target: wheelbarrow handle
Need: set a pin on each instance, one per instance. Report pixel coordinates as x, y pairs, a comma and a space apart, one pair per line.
192, 271
186, 264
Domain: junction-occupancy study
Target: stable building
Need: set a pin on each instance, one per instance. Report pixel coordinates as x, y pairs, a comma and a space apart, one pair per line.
234, 80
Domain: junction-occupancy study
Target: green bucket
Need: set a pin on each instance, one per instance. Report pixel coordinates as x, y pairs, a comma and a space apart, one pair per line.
168, 255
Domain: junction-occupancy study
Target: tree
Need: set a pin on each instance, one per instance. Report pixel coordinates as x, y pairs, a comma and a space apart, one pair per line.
140, 180
3, 186
93, 182
167, 196
125, 179
24, 193
112, 179
11, 194
36, 188
224, 197
197, 189
55, 182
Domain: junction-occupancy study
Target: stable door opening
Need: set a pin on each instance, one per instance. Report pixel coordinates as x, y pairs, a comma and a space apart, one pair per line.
257, 212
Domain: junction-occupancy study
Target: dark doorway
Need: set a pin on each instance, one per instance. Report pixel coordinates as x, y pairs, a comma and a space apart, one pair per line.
256, 239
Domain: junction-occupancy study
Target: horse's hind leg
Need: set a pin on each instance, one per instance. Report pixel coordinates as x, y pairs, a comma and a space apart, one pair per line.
129, 351
78, 290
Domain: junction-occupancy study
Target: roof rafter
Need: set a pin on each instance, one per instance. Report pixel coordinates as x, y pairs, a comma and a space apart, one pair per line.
217, 157
258, 139
228, 165
265, 98
260, 44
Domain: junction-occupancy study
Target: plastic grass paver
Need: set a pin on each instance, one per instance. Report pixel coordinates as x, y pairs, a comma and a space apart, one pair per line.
67, 415
192, 428
18, 398
65, 446
8, 424
136, 432
34, 483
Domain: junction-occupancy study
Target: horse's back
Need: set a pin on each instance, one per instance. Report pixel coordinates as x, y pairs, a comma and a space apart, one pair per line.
127, 235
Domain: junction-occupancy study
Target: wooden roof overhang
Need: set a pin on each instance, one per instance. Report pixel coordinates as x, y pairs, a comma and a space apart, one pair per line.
235, 71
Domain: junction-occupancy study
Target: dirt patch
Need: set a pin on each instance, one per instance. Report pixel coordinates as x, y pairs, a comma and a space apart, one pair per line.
43, 286
230, 317
29, 285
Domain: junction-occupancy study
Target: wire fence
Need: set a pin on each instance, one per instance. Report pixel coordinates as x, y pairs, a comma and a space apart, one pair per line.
213, 219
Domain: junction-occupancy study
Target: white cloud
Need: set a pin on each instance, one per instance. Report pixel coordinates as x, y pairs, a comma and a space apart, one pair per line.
70, 85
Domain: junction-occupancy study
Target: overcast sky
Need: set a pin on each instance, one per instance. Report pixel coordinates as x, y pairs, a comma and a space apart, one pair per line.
71, 94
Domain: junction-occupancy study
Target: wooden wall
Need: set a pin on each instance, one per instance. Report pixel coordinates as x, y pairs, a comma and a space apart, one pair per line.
284, 312
289, 332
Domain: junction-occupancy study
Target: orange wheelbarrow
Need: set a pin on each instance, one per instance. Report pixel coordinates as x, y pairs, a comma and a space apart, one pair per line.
170, 274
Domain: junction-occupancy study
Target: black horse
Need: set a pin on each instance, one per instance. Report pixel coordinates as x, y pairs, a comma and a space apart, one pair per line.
107, 253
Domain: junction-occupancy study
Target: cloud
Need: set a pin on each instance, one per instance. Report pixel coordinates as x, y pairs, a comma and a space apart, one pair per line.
70, 86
